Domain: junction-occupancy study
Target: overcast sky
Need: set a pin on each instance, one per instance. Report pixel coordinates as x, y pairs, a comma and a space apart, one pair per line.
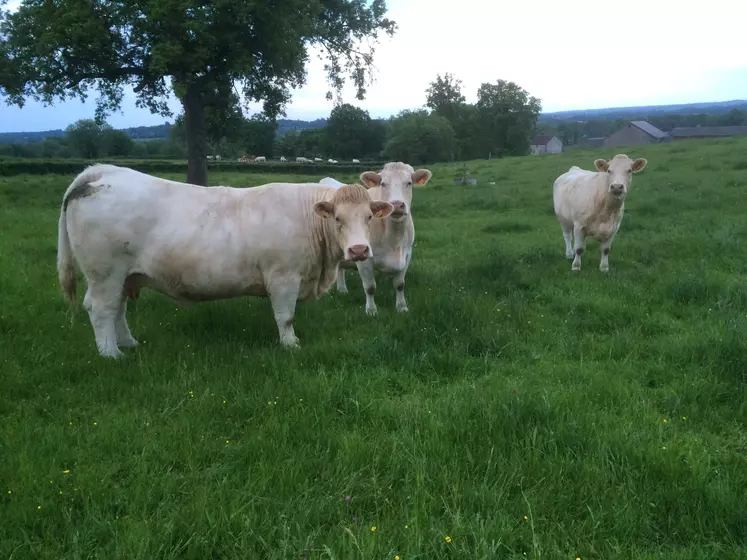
575, 54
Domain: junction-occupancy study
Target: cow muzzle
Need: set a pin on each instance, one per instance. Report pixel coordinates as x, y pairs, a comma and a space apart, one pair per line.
399, 208
617, 190
358, 253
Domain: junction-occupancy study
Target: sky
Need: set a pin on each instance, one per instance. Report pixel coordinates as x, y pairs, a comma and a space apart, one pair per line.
571, 54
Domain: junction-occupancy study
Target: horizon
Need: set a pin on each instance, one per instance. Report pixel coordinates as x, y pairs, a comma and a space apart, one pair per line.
712, 67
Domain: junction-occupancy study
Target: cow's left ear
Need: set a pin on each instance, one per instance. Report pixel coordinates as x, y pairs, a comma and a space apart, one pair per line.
421, 177
639, 164
602, 165
381, 209
324, 209
370, 179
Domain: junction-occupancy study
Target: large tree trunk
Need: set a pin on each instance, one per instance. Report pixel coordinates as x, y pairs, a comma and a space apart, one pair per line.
194, 122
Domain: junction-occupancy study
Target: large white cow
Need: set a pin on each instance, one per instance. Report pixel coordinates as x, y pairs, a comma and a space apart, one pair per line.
392, 237
592, 203
128, 230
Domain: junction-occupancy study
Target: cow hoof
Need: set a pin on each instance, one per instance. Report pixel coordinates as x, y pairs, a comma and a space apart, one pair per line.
402, 309
604, 268
575, 268
569, 254
342, 290
128, 343
372, 310
290, 343
110, 353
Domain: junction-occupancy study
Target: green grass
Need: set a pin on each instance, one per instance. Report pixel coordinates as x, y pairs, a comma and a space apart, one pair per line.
520, 409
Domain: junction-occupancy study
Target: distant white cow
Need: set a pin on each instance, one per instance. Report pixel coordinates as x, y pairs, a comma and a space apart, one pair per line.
301, 159
217, 157
356, 161
210, 157
391, 238
330, 182
282, 158
317, 159
592, 203
128, 230
260, 159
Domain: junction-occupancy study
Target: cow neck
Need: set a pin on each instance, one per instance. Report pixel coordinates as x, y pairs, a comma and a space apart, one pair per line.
396, 231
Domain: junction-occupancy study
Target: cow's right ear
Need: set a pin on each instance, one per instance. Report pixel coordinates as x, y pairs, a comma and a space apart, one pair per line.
324, 209
370, 179
602, 165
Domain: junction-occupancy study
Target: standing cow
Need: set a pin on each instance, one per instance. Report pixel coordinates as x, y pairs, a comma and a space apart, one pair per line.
592, 203
128, 230
391, 237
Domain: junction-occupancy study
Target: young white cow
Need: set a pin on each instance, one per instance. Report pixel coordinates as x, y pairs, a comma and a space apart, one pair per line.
392, 237
128, 230
592, 203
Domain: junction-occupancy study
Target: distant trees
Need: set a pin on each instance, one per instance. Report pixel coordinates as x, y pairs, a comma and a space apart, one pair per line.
418, 137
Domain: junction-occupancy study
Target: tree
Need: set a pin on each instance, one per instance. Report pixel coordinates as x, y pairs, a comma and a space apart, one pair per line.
258, 136
347, 132
444, 94
418, 137
84, 138
201, 50
116, 143
507, 114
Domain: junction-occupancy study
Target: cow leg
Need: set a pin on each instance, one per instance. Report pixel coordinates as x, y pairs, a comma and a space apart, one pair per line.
103, 302
366, 270
283, 298
399, 287
124, 336
568, 237
604, 249
341, 285
579, 243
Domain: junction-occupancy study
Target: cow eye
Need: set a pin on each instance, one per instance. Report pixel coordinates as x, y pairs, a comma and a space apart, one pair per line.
337, 219
409, 183
383, 185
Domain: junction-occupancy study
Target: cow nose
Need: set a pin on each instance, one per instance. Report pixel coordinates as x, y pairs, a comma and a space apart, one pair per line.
398, 203
359, 252
617, 189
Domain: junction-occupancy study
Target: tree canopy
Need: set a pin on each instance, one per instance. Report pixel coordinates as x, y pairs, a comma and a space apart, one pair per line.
211, 55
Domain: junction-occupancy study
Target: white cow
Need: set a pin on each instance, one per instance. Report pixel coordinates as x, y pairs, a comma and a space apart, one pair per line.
356, 161
259, 159
592, 203
317, 159
330, 182
391, 238
128, 230
301, 159
282, 158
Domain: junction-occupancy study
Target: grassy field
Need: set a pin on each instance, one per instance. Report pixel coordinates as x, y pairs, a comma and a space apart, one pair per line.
518, 411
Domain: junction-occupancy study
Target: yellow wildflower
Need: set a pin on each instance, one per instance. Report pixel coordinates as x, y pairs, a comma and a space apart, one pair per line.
448, 539
373, 529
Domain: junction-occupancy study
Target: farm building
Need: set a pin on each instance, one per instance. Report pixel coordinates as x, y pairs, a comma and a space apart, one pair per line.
546, 145
594, 142
635, 133
687, 132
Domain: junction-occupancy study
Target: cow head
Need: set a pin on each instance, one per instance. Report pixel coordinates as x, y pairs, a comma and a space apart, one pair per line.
395, 185
619, 172
351, 208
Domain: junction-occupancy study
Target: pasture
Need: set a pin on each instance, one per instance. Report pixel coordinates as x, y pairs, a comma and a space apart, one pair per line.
518, 411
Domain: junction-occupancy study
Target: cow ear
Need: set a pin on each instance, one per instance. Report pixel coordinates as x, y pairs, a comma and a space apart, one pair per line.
324, 209
370, 179
421, 177
602, 165
639, 164
381, 209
